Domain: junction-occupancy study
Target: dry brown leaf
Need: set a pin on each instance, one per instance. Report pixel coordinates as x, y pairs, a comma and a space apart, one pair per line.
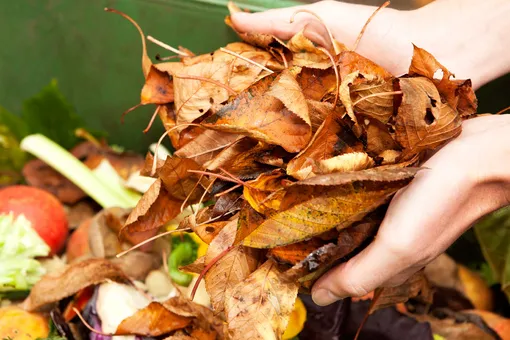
249, 220
333, 138
196, 267
308, 270
424, 64
231, 269
204, 317
193, 98
208, 231
264, 194
226, 205
353, 161
349, 62
153, 320
379, 105
230, 153
261, 117
306, 54
294, 253
423, 120
242, 74
54, 287
206, 146
458, 94
287, 90
379, 138
158, 88
179, 182
155, 208
260, 306
316, 84
167, 115
318, 204
416, 285
245, 163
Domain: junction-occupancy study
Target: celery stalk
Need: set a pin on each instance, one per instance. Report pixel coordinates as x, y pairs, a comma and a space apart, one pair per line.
98, 188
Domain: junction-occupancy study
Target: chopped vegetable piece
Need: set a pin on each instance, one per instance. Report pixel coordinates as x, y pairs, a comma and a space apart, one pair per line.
184, 252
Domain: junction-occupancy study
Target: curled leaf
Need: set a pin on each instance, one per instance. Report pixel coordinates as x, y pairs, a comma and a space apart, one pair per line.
153, 320
318, 204
259, 307
57, 286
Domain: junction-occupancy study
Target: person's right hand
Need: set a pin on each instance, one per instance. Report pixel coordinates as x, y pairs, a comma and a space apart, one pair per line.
469, 37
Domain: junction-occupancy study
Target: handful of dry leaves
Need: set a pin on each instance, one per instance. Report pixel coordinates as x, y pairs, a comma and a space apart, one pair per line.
299, 148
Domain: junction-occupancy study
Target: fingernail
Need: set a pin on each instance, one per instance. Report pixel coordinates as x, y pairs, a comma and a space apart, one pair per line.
324, 297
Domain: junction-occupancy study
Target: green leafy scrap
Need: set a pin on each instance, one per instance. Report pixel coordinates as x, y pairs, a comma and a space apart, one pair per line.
493, 233
50, 114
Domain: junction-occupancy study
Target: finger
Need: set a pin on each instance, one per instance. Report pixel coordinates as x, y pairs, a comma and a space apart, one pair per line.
367, 271
277, 22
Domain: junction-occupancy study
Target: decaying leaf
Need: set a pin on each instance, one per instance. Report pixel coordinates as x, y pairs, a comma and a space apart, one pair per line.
231, 269
296, 252
155, 208
262, 117
260, 305
423, 120
54, 287
206, 146
318, 204
158, 88
204, 317
306, 54
333, 138
193, 98
416, 285
153, 320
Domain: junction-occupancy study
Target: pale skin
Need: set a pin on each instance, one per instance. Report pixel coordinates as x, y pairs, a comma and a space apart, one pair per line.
466, 179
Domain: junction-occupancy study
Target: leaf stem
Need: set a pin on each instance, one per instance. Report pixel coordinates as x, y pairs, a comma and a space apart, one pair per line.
245, 59
64, 162
166, 46
360, 35
206, 269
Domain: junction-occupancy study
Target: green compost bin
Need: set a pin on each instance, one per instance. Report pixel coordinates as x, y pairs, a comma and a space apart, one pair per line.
96, 56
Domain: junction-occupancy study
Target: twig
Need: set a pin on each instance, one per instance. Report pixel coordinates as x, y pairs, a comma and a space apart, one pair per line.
202, 198
192, 190
226, 87
228, 190
502, 111
206, 269
366, 24
245, 59
335, 47
375, 95
285, 63
166, 46
337, 75
149, 240
89, 327
152, 119
128, 111
155, 161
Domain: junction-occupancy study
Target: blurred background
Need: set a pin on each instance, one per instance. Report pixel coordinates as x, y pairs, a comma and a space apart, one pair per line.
95, 56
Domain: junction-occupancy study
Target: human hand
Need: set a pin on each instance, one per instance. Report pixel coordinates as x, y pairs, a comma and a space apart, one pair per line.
469, 37
466, 179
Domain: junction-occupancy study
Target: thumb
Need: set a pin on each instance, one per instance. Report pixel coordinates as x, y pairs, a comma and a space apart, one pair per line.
277, 22
362, 274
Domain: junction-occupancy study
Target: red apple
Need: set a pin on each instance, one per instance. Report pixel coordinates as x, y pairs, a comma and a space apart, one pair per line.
44, 210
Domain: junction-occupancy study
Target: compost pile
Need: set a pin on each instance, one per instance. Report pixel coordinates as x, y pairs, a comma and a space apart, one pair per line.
297, 149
